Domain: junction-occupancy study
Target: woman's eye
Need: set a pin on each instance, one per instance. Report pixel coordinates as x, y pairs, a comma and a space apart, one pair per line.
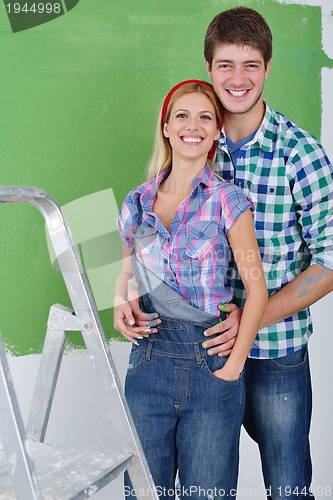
181, 115
206, 117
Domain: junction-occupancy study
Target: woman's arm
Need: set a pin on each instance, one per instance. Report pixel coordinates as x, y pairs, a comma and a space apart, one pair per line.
244, 245
125, 301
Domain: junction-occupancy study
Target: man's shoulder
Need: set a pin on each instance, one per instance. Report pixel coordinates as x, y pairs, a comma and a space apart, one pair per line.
287, 131
298, 147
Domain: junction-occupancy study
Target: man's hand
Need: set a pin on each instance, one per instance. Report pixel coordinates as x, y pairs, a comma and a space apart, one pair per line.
129, 320
222, 344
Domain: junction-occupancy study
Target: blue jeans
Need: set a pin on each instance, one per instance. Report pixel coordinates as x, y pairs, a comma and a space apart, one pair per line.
277, 416
187, 418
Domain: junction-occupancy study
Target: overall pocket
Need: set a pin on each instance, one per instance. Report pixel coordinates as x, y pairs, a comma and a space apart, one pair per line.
213, 363
135, 360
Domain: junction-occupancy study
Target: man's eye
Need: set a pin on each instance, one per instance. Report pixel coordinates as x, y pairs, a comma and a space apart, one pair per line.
252, 66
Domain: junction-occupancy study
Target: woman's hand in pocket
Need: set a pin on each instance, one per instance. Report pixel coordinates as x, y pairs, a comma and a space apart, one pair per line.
229, 372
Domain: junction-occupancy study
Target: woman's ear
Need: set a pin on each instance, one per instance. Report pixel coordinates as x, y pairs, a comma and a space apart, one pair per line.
217, 135
165, 130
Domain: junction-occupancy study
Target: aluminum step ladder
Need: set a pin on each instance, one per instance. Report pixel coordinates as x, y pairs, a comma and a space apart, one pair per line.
29, 468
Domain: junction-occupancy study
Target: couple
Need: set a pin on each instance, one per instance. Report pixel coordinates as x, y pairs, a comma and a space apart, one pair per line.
186, 384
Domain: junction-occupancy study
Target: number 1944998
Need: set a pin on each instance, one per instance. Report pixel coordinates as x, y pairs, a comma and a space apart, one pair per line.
34, 8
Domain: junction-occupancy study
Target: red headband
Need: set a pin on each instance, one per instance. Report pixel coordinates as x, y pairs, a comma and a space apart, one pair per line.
173, 90
167, 101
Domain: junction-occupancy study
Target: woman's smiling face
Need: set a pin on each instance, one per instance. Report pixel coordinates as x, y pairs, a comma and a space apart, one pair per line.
192, 126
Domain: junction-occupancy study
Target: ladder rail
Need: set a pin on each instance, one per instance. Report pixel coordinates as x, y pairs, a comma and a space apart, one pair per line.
47, 378
78, 288
24, 480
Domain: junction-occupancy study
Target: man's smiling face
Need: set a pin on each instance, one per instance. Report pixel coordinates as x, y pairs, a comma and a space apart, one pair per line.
238, 75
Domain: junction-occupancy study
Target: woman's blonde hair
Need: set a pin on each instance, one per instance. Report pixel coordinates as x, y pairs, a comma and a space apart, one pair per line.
162, 154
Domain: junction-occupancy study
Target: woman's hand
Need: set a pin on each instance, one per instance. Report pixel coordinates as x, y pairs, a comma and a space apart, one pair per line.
129, 320
228, 372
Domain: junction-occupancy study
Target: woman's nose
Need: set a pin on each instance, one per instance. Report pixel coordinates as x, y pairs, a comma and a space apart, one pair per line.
192, 124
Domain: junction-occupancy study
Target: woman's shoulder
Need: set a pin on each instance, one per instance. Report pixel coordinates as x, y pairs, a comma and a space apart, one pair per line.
227, 189
134, 194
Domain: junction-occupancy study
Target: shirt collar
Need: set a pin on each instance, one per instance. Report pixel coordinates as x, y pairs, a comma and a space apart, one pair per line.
206, 177
148, 190
266, 133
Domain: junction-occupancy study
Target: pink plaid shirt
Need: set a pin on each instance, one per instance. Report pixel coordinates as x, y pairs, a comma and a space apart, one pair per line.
192, 257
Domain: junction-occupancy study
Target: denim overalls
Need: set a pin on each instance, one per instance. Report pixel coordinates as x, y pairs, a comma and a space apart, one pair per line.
187, 418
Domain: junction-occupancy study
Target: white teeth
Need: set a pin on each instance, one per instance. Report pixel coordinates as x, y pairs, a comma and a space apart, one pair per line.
192, 139
237, 93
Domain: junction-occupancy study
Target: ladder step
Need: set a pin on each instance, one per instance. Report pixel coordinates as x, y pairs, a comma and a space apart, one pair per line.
67, 473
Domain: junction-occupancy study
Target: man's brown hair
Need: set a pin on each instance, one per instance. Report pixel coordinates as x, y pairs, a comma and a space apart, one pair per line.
239, 26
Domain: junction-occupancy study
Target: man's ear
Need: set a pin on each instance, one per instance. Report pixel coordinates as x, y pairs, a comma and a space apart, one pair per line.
268, 67
165, 130
208, 68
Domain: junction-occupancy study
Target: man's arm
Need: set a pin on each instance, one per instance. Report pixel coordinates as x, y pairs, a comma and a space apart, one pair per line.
303, 291
313, 201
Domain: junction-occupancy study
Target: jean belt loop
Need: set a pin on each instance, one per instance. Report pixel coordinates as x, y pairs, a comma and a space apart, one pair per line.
198, 353
149, 349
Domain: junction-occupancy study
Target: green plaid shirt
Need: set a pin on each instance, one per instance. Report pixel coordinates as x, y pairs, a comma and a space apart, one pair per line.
287, 175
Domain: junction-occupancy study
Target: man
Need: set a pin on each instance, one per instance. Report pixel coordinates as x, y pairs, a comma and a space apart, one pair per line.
287, 175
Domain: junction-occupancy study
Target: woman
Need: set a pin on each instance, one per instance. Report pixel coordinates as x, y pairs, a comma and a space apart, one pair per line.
176, 228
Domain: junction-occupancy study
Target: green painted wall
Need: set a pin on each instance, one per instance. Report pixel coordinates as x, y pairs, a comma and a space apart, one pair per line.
78, 105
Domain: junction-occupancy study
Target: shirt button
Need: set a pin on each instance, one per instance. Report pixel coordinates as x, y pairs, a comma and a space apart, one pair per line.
165, 261
172, 280
168, 240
